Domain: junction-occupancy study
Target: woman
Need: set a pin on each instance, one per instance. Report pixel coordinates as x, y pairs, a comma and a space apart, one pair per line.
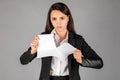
60, 22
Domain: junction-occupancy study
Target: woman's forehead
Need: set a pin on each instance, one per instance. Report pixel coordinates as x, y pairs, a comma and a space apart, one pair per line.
57, 13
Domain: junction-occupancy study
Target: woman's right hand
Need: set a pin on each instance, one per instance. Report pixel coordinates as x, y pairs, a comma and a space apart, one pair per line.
34, 45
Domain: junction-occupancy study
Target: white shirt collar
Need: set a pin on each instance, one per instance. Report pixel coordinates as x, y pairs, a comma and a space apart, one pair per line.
57, 38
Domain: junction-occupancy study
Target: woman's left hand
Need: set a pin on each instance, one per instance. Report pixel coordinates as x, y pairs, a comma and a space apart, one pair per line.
78, 55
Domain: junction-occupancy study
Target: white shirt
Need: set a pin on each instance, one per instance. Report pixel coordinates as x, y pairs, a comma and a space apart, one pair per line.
59, 67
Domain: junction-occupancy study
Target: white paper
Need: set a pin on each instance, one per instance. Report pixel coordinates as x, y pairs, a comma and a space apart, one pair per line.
46, 42
47, 47
65, 49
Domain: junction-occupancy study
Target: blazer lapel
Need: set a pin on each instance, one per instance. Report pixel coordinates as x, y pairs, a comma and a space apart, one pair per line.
71, 40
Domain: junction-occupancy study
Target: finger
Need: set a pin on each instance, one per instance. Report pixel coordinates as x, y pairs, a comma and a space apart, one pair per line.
37, 38
77, 50
79, 60
34, 42
76, 53
33, 46
75, 56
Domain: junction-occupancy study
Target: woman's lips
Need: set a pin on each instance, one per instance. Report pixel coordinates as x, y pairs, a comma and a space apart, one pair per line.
59, 26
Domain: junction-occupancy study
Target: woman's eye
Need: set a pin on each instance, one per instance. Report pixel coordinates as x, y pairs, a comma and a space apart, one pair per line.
53, 18
62, 18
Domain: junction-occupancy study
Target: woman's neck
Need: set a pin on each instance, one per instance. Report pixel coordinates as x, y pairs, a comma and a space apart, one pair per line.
62, 35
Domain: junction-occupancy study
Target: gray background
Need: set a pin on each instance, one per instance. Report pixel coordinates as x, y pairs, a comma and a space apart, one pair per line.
98, 21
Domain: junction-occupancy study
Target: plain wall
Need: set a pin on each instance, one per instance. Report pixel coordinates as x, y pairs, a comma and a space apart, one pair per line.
98, 21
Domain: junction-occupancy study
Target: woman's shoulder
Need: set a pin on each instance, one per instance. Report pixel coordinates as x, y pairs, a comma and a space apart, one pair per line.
75, 35
44, 33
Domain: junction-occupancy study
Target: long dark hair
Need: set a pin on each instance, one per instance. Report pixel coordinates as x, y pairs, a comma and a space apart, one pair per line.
64, 9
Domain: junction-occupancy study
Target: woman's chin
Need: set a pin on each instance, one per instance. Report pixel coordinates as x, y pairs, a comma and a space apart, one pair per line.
60, 30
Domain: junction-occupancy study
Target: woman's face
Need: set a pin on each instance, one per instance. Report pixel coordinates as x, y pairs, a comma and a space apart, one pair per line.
59, 20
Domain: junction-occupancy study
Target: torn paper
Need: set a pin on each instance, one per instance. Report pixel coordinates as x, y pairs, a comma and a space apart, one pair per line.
48, 48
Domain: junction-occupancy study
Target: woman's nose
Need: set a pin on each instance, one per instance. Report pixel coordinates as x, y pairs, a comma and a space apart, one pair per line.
58, 22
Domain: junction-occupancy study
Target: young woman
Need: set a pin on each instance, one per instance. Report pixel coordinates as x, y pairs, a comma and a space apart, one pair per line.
60, 23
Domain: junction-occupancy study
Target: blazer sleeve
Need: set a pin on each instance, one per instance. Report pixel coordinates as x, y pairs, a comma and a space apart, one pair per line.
90, 58
26, 57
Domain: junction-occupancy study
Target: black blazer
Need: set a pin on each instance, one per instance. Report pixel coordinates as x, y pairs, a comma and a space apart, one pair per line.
90, 59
